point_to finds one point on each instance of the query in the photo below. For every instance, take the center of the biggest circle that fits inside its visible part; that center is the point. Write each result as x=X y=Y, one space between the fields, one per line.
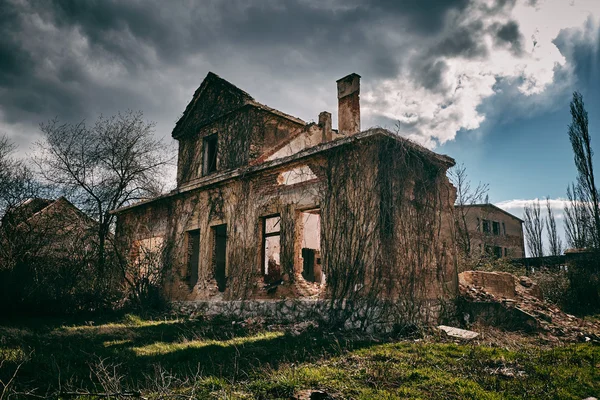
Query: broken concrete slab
x=484 y=299
x=458 y=333
x=500 y=284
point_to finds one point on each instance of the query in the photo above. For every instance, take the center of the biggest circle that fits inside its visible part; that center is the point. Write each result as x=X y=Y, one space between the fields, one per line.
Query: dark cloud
x=464 y=41
x=426 y=16
x=74 y=59
x=430 y=75
x=583 y=54
x=509 y=34
x=14 y=61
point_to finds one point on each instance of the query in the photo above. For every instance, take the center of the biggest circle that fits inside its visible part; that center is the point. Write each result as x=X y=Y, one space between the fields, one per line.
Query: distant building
x=493 y=231
x=45 y=229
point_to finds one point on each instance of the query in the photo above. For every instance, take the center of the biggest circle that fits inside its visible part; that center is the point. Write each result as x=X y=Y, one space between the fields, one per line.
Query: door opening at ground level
x=220 y=255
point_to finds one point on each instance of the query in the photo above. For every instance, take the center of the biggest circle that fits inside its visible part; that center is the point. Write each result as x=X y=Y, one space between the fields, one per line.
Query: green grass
x=218 y=359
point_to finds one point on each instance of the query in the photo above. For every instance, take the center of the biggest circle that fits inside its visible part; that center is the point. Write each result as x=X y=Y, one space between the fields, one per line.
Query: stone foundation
x=374 y=318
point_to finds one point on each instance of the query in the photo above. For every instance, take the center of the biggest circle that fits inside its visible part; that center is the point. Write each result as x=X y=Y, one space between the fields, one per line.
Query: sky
x=487 y=82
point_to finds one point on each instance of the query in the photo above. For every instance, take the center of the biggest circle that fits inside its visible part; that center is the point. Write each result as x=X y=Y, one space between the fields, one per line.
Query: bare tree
x=554 y=241
x=104 y=166
x=17 y=182
x=577 y=219
x=581 y=142
x=465 y=195
x=534 y=229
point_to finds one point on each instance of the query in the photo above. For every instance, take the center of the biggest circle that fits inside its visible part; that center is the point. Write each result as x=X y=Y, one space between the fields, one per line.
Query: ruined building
x=270 y=206
x=493 y=231
x=41 y=229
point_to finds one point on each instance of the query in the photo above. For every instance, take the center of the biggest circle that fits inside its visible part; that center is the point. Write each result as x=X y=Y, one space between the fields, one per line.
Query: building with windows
x=270 y=206
x=492 y=231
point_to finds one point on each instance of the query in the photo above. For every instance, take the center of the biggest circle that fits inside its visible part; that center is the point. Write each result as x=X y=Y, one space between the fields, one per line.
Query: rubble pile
x=523 y=300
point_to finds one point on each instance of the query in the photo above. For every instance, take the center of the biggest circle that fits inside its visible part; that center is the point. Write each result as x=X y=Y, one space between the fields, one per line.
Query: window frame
x=191 y=235
x=266 y=235
x=496 y=228
x=486 y=222
x=208 y=142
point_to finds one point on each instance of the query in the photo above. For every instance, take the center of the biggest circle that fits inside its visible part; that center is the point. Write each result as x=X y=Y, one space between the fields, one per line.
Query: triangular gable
x=214 y=98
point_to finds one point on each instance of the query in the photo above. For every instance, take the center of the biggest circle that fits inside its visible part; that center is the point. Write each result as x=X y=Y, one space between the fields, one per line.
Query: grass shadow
x=134 y=348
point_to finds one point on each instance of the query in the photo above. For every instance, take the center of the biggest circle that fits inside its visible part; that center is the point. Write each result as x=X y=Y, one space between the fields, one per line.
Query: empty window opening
x=497 y=252
x=493 y=251
x=296 y=175
x=220 y=255
x=193 y=238
x=486 y=226
x=271 y=249
x=504 y=229
x=311 y=246
x=210 y=145
x=496 y=228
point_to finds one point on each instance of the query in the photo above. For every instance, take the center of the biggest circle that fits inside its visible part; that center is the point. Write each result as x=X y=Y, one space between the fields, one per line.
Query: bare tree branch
x=554 y=241
x=465 y=195
x=534 y=229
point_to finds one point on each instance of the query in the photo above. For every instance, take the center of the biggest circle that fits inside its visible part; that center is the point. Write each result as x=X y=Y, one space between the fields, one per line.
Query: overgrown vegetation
x=175 y=358
x=65 y=260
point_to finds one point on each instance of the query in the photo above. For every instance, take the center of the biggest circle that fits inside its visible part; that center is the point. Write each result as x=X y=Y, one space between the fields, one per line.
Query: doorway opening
x=271 y=265
x=220 y=255
x=311 y=246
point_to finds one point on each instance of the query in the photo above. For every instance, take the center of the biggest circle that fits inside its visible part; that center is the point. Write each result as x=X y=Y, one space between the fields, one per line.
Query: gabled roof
x=214 y=99
x=27 y=209
x=33 y=210
x=489 y=205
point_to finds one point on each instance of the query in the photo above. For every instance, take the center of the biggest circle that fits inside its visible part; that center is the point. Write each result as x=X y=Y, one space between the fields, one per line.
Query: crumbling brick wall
x=365 y=211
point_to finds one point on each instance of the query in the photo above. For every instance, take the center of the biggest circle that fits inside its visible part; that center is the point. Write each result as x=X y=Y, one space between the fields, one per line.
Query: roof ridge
x=489 y=205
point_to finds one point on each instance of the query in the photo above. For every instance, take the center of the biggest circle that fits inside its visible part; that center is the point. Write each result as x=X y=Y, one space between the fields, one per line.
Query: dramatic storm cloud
x=427 y=65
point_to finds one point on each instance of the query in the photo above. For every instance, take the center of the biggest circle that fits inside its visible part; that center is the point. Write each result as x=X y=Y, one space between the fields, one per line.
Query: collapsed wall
x=501 y=299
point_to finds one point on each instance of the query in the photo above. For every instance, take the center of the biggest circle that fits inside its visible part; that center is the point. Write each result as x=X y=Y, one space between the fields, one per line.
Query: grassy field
x=171 y=358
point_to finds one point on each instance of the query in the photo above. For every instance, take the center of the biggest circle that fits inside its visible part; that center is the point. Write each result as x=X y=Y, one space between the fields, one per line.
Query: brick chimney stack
x=325 y=125
x=348 y=89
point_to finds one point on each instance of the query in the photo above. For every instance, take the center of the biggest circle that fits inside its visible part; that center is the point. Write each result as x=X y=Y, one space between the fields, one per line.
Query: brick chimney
x=348 y=89
x=325 y=125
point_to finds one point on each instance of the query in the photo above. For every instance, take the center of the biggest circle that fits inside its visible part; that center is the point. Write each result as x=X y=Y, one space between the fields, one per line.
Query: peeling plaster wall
x=311 y=136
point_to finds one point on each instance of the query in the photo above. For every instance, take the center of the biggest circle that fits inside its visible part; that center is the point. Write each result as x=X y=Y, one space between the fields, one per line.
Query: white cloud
x=519 y=204
x=435 y=115
x=516 y=207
